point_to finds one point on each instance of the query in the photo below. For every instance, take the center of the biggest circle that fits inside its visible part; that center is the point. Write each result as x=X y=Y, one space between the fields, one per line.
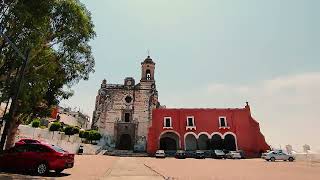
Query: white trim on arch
x=168 y=131
x=234 y=135
x=214 y=133
x=205 y=133
x=185 y=136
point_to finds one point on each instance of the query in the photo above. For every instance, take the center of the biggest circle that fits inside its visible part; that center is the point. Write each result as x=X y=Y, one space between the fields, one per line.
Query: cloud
x=287 y=107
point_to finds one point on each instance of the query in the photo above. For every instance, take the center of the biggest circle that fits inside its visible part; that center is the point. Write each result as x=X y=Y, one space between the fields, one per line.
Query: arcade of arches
x=170 y=141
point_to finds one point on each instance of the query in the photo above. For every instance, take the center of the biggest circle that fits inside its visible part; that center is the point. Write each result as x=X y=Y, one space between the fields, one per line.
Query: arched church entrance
x=191 y=142
x=216 y=142
x=229 y=142
x=169 y=141
x=203 y=142
x=125 y=142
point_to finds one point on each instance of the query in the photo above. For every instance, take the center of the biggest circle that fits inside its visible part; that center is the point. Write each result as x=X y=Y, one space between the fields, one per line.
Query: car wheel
x=273 y=159
x=267 y=159
x=58 y=171
x=291 y=159
x=42 y=169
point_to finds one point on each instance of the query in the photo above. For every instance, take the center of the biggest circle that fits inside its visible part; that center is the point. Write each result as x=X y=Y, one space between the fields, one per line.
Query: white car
x=277 y=155
x=233 y=155
x=160 y=154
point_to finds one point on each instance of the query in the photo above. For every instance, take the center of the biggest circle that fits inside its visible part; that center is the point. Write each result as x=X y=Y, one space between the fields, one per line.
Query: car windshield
x=57 y=148
x=218 y=151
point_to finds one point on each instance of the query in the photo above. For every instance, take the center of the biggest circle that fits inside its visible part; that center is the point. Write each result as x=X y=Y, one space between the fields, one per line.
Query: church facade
x=123 y=112
x=206 y=129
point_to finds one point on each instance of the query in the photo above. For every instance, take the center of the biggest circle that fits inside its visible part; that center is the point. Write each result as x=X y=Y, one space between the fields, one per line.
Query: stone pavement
x=131 y=168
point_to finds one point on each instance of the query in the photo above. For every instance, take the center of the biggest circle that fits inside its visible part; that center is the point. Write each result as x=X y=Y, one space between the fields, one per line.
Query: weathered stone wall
x=69 y=143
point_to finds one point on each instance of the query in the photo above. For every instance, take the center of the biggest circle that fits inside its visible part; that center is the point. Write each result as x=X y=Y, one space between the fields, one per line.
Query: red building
x=205 y=129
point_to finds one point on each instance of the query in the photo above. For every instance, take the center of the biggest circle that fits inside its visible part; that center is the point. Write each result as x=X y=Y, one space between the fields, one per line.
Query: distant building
x=206 y=129
x=289 y=148
x=69 y=117
x=306 y=148
x=123 y=112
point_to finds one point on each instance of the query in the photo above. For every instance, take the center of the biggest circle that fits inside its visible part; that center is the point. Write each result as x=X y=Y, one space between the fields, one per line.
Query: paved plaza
x=109 y=167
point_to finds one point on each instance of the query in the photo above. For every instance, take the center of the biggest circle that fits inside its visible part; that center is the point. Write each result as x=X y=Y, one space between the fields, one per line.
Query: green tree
x=35 y=123
x=55 y=126
x=69 y=130
x=58 y=33
x=94 y=135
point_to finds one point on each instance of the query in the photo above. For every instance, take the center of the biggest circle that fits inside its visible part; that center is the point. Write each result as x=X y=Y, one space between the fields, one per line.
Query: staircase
x=125 y=153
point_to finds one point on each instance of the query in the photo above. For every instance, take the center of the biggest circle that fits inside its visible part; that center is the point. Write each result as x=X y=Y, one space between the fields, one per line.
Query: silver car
x=277 y=155
x=233 y=155
x=160 y=154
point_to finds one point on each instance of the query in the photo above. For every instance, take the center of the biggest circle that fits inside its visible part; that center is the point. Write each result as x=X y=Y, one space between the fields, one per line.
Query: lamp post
x=14 y=103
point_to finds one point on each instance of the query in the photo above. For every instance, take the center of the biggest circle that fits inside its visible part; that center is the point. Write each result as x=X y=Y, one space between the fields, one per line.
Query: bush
x=76 y=130
x=81 y=134
x=43 y=127
x=55 y=126
x=68 y=130
x=94 y=135
x=35 y=123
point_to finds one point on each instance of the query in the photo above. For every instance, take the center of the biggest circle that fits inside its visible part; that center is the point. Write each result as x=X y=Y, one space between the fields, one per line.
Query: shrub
x=35 y=123
x=81 y=134
x=43 y=127
x=55 y=126
x=94 y=135
x=86 y=134
x=76 y=130
x=68 y=130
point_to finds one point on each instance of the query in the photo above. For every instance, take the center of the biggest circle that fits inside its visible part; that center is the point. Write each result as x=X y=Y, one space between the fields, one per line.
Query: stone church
x=123 y=112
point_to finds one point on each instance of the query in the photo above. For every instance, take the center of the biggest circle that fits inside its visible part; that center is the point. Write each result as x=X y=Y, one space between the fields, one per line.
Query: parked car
x=160 y=154
x=180 y=154
x=27 y=141
x=200 y=154
x=277 y=155
x=218 y=154
x=233 y=155
x=39 y=158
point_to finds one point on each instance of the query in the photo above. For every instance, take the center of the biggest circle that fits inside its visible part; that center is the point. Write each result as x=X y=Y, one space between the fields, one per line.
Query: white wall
x=69 y=143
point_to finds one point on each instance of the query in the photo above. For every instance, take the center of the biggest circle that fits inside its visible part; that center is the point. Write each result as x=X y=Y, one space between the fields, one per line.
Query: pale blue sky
x=217 y=53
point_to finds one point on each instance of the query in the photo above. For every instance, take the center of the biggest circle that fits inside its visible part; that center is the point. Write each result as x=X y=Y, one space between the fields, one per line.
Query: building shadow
x=15 y=175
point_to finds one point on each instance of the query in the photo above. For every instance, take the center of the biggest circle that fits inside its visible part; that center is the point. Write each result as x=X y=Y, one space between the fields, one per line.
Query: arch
x=148 y=74
x=216 y=142
x=217 y=134
x=203 y=142
x=190 y=142
x=230 y=141
x=169 y=140
x=209 y=136
x=125 y=142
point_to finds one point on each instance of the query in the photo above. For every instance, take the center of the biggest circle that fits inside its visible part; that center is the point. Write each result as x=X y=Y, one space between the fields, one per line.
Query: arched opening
x=216 y=142
x=190 y=143
x=229 y=142
x=169 y=141
x=148 y=74
x=203 y=142
x=125 y=142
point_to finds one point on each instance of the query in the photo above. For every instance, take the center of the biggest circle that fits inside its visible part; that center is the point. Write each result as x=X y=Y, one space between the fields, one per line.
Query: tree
x=58 y=33
x=94 y=135
x=69 y=130
x=35 y=123
x=56 y=126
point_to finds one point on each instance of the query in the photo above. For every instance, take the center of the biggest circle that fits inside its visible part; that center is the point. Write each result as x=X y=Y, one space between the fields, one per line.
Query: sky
x=219 y=54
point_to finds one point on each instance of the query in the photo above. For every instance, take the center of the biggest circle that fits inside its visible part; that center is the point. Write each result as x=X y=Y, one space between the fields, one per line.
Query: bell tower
x=147 y=70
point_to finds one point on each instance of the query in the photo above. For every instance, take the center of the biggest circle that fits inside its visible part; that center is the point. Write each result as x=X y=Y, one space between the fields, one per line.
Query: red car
x=39 y=158
x=27 y=141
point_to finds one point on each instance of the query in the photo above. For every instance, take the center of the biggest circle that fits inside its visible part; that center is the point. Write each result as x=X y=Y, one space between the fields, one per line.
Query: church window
x=148 y=74
x=128 y=99
x=167 y=123
x=223 y=121
x=190 y=121
x=127 y=117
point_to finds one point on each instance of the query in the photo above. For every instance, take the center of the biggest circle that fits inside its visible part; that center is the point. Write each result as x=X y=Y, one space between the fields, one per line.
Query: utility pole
x=14 y=103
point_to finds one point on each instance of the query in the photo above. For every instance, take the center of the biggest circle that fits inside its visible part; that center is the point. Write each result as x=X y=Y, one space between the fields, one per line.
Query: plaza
x=110 y=167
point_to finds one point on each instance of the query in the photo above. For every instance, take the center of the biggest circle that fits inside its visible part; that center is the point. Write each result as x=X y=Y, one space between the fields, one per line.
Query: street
x=108 y=167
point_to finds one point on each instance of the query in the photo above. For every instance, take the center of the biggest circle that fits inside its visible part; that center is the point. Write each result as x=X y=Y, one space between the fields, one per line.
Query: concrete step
x=125 y=153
